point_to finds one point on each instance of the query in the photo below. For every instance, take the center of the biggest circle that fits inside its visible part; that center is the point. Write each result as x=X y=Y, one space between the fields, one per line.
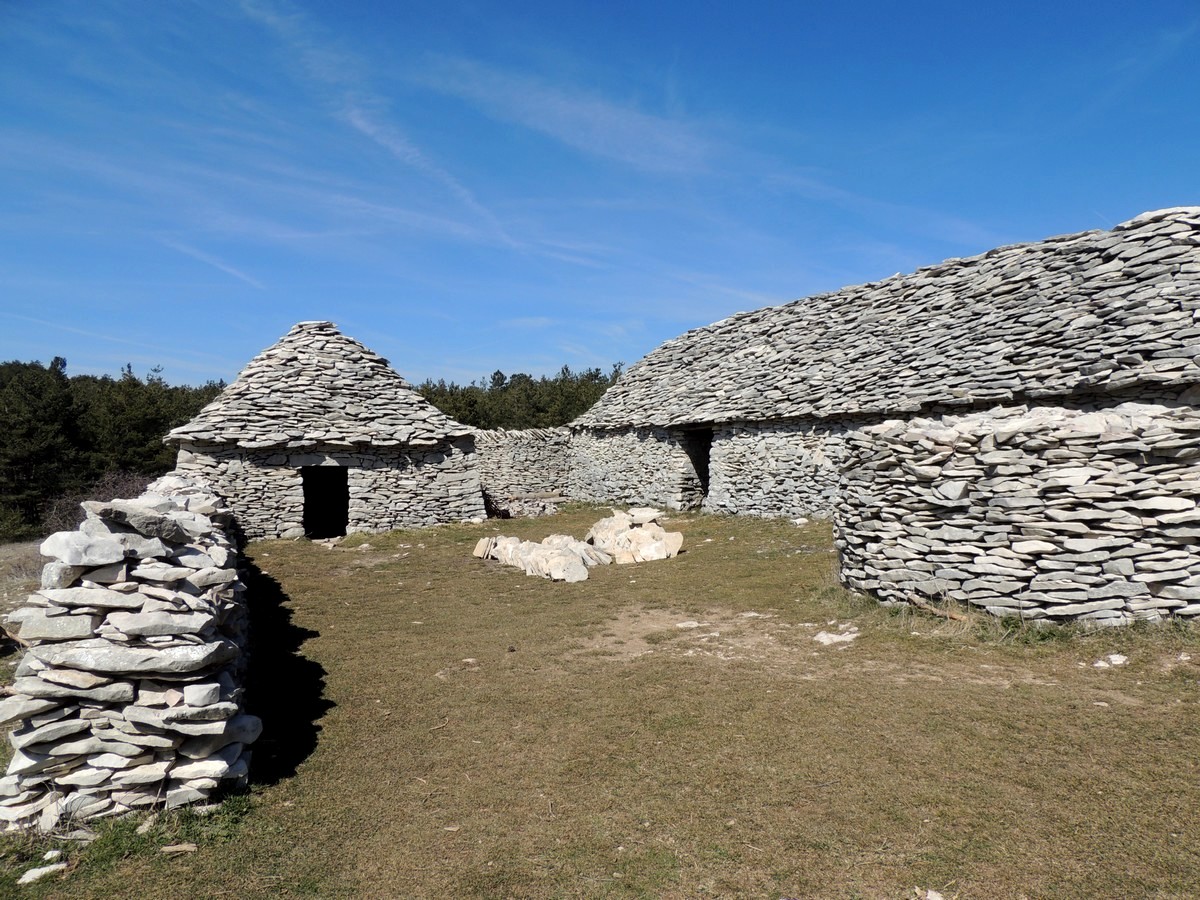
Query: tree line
x=62 y=438
x=65 y=438
x=520 y=401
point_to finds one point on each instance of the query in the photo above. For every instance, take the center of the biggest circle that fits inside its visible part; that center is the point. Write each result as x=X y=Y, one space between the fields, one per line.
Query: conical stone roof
x=318 y=387
x=1093 y=312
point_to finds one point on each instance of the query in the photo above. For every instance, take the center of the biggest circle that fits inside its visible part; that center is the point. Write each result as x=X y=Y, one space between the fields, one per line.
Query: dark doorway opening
x=697 y=444
x=326 y=501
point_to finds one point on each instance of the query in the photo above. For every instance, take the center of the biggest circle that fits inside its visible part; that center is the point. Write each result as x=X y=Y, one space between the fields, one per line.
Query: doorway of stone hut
x=326 y=500
x=697 y=444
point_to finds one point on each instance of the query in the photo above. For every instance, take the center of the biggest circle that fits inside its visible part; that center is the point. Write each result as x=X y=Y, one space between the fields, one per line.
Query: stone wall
x=521 y=463
x=389 y=488
x=775 y=470
x=647 y=466
x=1044 y=513
x=129 y=694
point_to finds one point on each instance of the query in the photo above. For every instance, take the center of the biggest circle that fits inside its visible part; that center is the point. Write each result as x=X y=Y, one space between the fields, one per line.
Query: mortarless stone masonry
x=1042 y=513
x=129 y=695
x=647 y=466
x=320 y=399
x=792 y=395
x=517 y=464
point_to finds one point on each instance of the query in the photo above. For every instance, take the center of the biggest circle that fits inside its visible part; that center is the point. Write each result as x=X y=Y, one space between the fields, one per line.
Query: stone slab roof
x=318 y=387
x=1097 y=311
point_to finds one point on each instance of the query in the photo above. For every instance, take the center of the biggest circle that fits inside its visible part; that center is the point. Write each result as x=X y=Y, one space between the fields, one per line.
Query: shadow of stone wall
x=283 y=687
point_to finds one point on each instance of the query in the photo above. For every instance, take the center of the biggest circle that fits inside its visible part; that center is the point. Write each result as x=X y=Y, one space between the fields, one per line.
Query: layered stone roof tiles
x=1093 y=312
x=318 y=387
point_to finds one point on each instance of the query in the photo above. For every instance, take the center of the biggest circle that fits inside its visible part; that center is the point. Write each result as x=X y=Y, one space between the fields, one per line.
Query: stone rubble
x=624 y=538
x=635 y=536
x=129 y=694
x=522 y=507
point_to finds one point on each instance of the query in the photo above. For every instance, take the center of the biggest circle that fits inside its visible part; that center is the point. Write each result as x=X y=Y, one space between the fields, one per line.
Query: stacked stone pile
x=129 y=694
x=635 y=536
x=1091 y=313
x=558 y=557
x=1043 y=513
x=623 y=538
x=522 y=507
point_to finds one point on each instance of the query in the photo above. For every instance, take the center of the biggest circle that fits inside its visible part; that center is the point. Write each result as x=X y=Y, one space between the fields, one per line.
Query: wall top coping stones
x=318 y=387
x=1095 y=312
x=1114 y=423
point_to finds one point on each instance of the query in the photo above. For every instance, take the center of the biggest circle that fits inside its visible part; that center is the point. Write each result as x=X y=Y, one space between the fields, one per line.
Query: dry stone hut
x=1017 y=430
x=320 y=436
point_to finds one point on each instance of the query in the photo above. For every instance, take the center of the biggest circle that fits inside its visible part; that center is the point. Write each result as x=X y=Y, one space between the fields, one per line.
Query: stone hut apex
x=318 y=435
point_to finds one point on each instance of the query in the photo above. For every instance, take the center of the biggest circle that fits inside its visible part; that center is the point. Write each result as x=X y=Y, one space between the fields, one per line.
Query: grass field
x=438 y=726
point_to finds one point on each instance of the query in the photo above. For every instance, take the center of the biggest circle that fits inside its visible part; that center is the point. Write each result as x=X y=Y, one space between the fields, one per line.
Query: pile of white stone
x=624 y=537
x=129 y=694
x=1042 y=513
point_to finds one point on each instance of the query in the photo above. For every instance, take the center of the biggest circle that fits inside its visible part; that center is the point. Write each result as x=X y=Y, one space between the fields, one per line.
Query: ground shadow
x=283 y=688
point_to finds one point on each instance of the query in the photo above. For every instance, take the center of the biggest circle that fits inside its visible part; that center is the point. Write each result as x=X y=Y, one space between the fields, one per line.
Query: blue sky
x=471 y=186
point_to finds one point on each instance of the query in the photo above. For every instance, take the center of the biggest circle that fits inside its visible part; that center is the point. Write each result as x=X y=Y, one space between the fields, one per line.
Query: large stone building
x=1015 y=430
x=320 y=436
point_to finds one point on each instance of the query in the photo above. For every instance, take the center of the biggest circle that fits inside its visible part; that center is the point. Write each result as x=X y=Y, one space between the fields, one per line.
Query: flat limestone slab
x=101 y=598
x=37 y=626
x=78 y=549
x=99 y=655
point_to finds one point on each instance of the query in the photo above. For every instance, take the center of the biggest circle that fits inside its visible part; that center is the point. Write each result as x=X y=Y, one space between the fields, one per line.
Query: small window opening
x=697 y=444
x=326 y=501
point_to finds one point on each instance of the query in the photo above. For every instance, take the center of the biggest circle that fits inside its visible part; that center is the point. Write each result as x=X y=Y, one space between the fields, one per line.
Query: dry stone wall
x=1044 y=513
x=515 y=464
x=130 y=692
x=647 y=466
x=775 y=470
x=389 y=488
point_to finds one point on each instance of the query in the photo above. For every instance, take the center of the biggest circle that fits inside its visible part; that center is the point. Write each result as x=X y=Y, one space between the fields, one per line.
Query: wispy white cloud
x=1126 y=74
x=904 y=217
x=529 y=322
x=98 y=362
x=337 y=73
x=90 y=333
x=587 y=122
x=210 y=260
x=395 y=142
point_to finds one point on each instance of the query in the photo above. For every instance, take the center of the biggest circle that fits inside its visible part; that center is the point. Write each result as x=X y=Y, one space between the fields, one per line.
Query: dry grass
x=484 y=734
x=20 y=572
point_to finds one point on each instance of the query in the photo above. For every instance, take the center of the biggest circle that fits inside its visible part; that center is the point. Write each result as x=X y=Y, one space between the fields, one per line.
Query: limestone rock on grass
x=561 y=557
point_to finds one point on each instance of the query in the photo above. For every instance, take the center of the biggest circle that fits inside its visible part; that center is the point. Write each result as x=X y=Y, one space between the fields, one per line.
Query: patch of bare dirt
x=719 y=634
